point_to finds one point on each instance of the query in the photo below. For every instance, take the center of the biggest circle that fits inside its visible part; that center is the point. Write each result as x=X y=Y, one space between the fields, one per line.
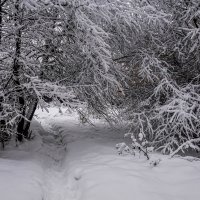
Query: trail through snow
x=61 y=180
x=70 y=161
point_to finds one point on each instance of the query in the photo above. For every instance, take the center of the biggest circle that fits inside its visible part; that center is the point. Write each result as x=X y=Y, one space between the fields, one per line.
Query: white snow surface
x=69 y=161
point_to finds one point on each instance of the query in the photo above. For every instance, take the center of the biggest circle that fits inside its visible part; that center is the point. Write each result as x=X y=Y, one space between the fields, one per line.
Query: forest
x=136 y=61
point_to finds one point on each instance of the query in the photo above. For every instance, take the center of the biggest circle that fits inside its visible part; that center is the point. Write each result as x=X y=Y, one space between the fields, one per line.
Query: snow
x=70 y=161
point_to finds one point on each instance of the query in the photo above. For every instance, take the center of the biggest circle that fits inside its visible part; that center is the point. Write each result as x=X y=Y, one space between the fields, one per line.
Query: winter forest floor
x=70 y=161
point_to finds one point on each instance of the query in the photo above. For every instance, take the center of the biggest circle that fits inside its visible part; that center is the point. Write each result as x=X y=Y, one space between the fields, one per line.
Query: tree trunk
x=2 y=123
x=16 y=73
x=29 y=116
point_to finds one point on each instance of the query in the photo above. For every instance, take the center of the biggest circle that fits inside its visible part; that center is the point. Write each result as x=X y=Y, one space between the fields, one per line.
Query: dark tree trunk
x=29 y=116
x=2 y=121
x=16 y=73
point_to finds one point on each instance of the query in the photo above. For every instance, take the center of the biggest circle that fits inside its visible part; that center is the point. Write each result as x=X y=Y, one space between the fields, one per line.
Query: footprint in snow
x=78 y=174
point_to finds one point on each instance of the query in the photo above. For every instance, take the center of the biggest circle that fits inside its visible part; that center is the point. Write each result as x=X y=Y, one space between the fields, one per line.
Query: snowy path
x=61 y=181
x=88 y=168
x=92 y=170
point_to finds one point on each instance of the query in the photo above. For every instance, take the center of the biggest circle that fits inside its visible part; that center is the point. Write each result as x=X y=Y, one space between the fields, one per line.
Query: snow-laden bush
x=162 y=63
x=169 y=119
x=178 y=119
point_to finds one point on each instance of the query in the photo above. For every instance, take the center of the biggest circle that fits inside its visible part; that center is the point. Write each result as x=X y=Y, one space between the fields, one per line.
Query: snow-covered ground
x=70 y=161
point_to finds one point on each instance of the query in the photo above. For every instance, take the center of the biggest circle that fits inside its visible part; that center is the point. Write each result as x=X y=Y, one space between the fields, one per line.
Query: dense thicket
x=163 y=93
x=139 y=56
x=53 y=51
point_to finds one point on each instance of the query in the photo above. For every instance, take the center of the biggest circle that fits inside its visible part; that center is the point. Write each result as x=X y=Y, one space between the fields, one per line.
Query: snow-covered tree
x=56 y=51
x=163 y=66
x=142 y=56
